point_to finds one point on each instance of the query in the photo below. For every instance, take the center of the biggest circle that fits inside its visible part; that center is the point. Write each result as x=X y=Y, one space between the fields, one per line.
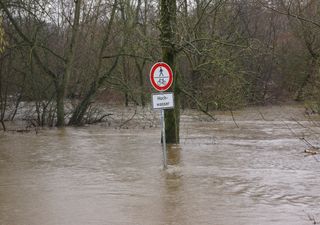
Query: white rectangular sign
x=162 y=100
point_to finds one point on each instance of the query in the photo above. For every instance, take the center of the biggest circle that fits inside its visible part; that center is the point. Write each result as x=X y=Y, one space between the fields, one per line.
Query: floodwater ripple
x=219 y=174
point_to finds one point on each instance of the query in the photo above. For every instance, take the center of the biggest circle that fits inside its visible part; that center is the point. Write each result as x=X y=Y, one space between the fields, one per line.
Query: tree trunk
x=141 y=81
x=83 y=106
x=81 y=109
x=62 y=89
x=167 y=28
x=60 y=108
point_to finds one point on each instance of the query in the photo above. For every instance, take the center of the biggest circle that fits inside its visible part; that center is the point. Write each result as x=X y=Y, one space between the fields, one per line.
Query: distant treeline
x=229 y=54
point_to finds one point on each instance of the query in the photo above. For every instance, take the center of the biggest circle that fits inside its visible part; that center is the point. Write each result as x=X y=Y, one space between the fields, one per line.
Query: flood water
x=219 y=174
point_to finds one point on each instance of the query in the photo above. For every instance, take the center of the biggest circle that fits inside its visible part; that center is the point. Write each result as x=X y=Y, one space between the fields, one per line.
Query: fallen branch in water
x=128 y=120
x=199 y=105
x=19 y=130
x=308 y=128
x=262 y=116
x=307 y=142
x=100 y=119
x=312 y=151
x=312 y=219
x=234 y=121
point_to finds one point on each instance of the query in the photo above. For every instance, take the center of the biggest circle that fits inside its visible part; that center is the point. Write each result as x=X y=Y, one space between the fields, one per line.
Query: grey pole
x=163 y=134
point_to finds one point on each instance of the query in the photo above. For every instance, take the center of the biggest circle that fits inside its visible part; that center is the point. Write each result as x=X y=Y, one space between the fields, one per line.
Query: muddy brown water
x=219 y=174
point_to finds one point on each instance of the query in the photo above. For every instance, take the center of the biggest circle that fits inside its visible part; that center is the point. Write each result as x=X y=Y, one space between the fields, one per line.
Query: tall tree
x=100 y=73
x=62 y=84
x=60 y=78
x=168 y=11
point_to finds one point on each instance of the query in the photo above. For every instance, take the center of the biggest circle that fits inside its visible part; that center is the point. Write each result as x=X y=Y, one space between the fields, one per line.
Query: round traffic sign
x=161 y=76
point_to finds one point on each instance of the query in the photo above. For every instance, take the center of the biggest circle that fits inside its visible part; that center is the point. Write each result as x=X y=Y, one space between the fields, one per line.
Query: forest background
x=63 y=57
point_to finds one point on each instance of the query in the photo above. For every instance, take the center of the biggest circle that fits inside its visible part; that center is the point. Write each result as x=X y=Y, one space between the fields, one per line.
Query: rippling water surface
x=219 y=174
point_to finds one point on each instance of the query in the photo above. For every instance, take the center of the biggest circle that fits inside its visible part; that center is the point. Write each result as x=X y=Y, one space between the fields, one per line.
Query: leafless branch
x=199 y=105
x=128 y=120
x=288 y=13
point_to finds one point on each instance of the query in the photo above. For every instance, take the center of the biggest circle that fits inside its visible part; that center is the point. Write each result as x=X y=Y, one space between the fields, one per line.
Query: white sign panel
x=162 y=100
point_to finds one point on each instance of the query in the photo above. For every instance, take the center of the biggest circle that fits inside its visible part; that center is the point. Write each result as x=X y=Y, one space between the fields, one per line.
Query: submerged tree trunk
x=62 y=89
x=81 y=109
x=167 y=25
x=60 y=109
x=3 y=101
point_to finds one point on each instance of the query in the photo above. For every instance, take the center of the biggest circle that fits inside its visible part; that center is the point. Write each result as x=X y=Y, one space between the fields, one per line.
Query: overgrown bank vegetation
x=62 y=56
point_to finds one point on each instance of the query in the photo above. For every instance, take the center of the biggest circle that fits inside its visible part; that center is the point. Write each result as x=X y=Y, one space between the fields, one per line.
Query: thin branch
x=191 y=43
x=128 y=55
x=26 y=39
x=288 y=13
x=262 y=116
x=200 y=106
x=52 y=52
x=309 y=128
x=201 y=16
x=234 y=121
x=128 y=120
x=313 y=149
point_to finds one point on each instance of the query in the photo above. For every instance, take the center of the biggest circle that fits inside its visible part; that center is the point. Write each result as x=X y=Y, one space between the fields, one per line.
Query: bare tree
x=59 y=77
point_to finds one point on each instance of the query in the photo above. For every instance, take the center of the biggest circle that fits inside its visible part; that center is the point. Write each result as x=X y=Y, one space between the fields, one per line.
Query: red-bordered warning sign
x=161 y=76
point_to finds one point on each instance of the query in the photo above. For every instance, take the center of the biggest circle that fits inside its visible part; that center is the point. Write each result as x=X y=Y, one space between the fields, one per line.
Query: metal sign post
x=161 y=78
x=162 y=101
x=163 y=135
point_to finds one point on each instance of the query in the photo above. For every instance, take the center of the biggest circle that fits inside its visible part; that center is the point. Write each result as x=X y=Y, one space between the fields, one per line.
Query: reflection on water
x=219 y=174
x=172 y=212
x=173 y=154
